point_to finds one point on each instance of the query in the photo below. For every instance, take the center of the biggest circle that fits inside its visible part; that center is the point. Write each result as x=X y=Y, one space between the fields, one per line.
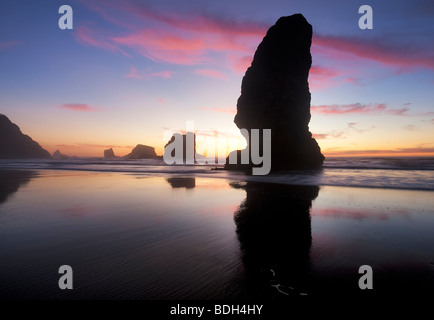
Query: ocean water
x=376 y=172
x=143 y=230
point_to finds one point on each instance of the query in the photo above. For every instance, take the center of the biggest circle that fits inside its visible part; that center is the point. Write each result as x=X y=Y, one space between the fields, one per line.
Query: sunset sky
x=130 y=70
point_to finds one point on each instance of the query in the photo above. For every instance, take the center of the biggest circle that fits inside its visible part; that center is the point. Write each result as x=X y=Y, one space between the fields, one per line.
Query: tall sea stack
x=275 y=95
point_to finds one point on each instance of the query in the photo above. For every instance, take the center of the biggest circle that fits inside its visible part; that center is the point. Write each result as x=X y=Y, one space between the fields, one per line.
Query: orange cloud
x=78 y=107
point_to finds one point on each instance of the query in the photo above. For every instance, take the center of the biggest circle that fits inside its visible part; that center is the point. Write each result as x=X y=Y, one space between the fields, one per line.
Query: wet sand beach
x=135 y=236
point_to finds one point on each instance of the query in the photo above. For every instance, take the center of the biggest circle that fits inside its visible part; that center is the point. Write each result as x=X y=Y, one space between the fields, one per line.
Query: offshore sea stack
x=142 y=152
x=16 y=145
x=109 y=154
x=275 y=95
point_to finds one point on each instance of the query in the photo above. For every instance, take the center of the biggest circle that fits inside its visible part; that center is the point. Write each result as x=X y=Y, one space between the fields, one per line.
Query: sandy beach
x=141 y=236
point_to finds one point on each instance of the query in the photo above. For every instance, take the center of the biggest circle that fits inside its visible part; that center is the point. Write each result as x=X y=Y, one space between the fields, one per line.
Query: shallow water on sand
x=133 y=236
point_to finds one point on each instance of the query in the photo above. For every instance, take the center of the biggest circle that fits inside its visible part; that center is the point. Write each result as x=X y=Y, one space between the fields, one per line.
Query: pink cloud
x=320 y=77
x=191 y=39
x=352 y=80
x=240 y=64
x=78 y=107
x=204 y=23
x=210 y=73
x=161 y=46
x=90 y=36
x=379 y=50
x=358 y=108
x=163 y=74
x=171 y=37
x=349 y=108
x=398 y=112
x=319 y=136
x=9 y=44
x=134 y=74
x=176 y=47
x=321 y=71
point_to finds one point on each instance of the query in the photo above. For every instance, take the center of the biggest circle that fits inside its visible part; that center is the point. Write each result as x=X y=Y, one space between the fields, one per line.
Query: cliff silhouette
x=16 y=145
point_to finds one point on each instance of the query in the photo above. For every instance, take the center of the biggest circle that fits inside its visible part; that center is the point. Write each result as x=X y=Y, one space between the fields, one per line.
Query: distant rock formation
x=142 y=152
x=57 y=155
x=16 y=145
x=109 y=154
x=275 y=95
x=186 y=150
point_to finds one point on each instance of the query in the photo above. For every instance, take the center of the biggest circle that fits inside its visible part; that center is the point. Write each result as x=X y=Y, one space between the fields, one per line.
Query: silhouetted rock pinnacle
x=142 y=152
x=16 y=145
x=275 y=95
